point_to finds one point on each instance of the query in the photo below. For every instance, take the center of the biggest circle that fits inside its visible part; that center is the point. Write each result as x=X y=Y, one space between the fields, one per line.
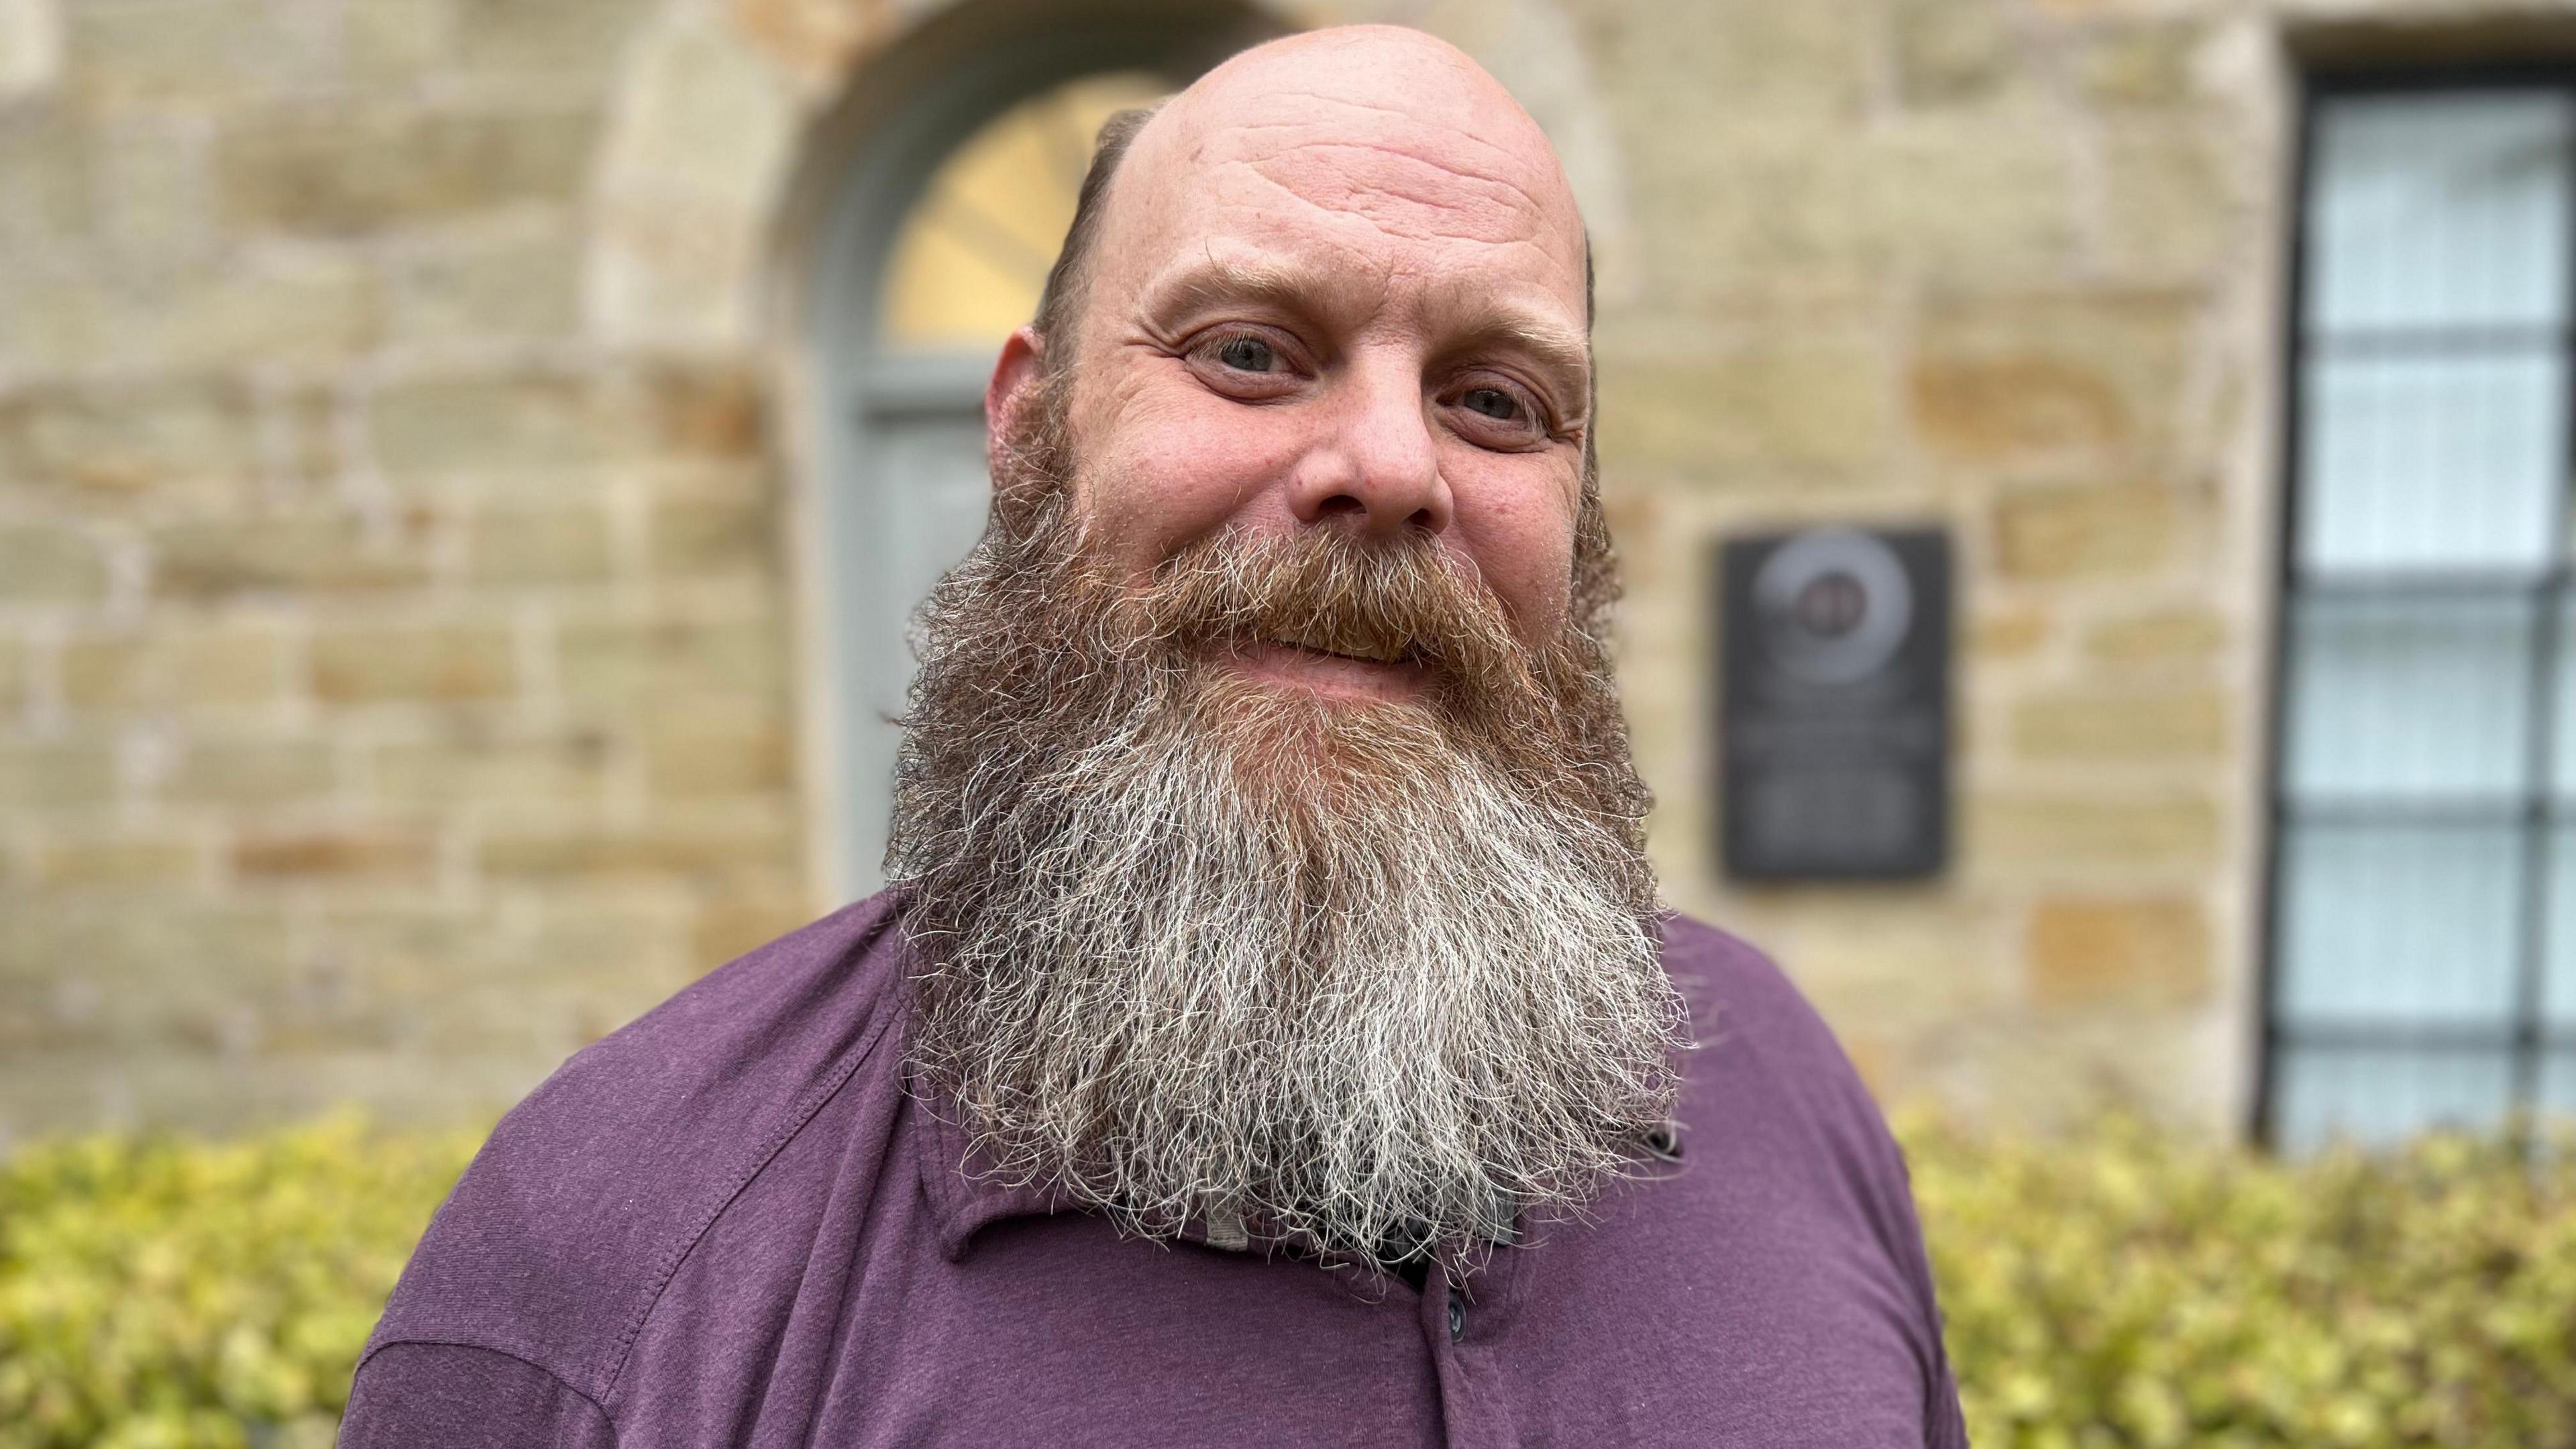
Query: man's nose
x=1377 y=462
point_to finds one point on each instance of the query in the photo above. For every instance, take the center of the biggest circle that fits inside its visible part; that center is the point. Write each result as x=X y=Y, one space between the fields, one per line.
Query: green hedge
x=163 y=1294
x=2129 y=1289
x=2121 y=1289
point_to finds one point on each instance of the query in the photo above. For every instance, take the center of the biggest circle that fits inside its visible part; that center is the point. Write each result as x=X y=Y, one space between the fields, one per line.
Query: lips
x=1347 y=644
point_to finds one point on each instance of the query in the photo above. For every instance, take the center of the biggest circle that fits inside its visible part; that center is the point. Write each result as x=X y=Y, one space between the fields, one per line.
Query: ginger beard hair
x=1372 y=976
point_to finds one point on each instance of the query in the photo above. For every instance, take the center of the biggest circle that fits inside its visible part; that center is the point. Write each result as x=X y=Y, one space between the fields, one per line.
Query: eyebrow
x=1293 y=286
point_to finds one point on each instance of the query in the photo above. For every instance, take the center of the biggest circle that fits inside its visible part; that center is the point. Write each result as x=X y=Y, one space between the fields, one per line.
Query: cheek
x=1515 y=518
x=1169 y=470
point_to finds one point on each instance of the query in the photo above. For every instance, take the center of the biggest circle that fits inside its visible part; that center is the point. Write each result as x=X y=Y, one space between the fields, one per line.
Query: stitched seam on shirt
x=566 y=1384
x=669 y=1268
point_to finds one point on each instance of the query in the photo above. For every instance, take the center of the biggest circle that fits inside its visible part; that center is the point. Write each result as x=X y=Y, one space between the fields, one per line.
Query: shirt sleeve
x=454 y=1396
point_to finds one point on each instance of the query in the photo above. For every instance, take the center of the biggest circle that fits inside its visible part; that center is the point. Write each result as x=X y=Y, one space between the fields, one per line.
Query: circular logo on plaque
x=1835 y=605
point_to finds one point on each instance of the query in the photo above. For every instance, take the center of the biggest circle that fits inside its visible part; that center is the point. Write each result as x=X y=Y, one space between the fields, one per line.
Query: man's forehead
x=1384 y=142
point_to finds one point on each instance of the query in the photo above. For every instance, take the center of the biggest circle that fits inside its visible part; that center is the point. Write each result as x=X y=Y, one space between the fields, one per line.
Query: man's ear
x=1010 y=389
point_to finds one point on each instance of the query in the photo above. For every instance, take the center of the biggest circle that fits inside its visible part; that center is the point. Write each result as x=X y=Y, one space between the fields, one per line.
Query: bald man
x=1273 y=1036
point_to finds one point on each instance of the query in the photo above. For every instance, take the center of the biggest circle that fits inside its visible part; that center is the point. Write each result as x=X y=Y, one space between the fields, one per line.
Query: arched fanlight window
x=974 y=252
x=937 y=239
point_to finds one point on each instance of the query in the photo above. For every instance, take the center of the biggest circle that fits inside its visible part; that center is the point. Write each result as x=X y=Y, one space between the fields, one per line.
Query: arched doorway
x=935 y=238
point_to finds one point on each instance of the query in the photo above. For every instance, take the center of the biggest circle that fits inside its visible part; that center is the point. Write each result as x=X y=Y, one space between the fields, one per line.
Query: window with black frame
x=2423 y=903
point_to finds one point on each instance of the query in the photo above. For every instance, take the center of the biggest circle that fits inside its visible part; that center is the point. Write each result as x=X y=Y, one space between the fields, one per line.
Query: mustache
x=1402 y=600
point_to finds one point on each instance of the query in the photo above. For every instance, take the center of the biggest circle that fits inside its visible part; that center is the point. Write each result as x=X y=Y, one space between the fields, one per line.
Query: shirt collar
x=957 y=1180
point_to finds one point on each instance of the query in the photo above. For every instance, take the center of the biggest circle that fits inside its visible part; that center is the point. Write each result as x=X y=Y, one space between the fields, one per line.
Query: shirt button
x=1457 y=1316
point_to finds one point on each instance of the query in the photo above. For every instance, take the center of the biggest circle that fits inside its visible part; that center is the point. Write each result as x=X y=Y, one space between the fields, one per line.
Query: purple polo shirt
x=731 y=1224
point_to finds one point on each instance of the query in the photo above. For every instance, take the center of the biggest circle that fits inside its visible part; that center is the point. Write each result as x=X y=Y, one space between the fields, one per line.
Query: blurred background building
x=465 y=465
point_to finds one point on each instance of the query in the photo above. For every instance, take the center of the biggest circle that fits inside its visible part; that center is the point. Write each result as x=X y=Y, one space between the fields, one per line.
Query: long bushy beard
x=1364 y=975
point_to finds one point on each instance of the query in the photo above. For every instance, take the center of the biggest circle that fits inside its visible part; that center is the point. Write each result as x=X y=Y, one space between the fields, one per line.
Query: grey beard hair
x=1370 y=977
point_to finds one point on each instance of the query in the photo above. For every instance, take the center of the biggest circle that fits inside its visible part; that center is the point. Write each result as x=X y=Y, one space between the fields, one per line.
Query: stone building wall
x=403 y=662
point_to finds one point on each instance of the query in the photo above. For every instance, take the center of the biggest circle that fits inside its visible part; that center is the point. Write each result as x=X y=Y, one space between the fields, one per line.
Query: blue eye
x=1246 y=354
x=1493 y=402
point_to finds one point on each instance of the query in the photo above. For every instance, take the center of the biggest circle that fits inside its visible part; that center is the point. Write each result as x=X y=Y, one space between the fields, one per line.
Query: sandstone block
x=1803 y=403
x=540 y=546
x=119 y=859
x=2023 y=221
x=521 y=286
x=184 y=441
x=378 y=853
x=2145 y=63
x=320 y=551
x=45 y=180
x=507 y=422
x=2172 y=210
x=17 y=671
x=252 y=772
x=2013 y=376
x=577 y=41
x=1992 y=407
x=41 y=563
x=621 y=664
x=1798 y=61
x=2123 y=724
x=267 y=310
x=2093 y=952
x=2008 y=633
x=508 y=774
x=2021 y=832
x=727 y=752
x=1951 y=51
x=432 y=662
x=2055 y=533
x=694 y=536
x=2179 y=635
x=169 y=663
x=709 y=411
x=56 y=774
x=199 y=53
x=150 y=192
x=393 y=44
x=327 y=172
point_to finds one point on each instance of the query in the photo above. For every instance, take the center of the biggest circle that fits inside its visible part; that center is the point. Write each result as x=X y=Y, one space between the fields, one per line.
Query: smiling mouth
x=1353 y=671
x=1355 y=651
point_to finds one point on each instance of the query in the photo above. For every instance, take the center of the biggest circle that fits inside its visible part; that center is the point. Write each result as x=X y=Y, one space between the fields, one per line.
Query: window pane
x=2443 y=462
x=2398 y=923
x=2375 y=1097
x=2444 y=210
x=2558 y=980
x=2408 y=696
x=2558 y=1085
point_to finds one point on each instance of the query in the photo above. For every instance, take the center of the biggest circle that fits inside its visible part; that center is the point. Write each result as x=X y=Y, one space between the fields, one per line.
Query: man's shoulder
x=1753 y=1027
x=591 y=1191
x=1730 y=983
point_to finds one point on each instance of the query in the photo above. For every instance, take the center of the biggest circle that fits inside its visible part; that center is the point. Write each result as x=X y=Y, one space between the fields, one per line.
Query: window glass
x=2432 y=462
x=2442 y=208
x=2392 y=925
x=2408 y=696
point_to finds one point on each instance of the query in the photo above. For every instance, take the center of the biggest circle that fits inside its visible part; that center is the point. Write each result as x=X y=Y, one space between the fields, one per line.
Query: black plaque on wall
x=1834 y=731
